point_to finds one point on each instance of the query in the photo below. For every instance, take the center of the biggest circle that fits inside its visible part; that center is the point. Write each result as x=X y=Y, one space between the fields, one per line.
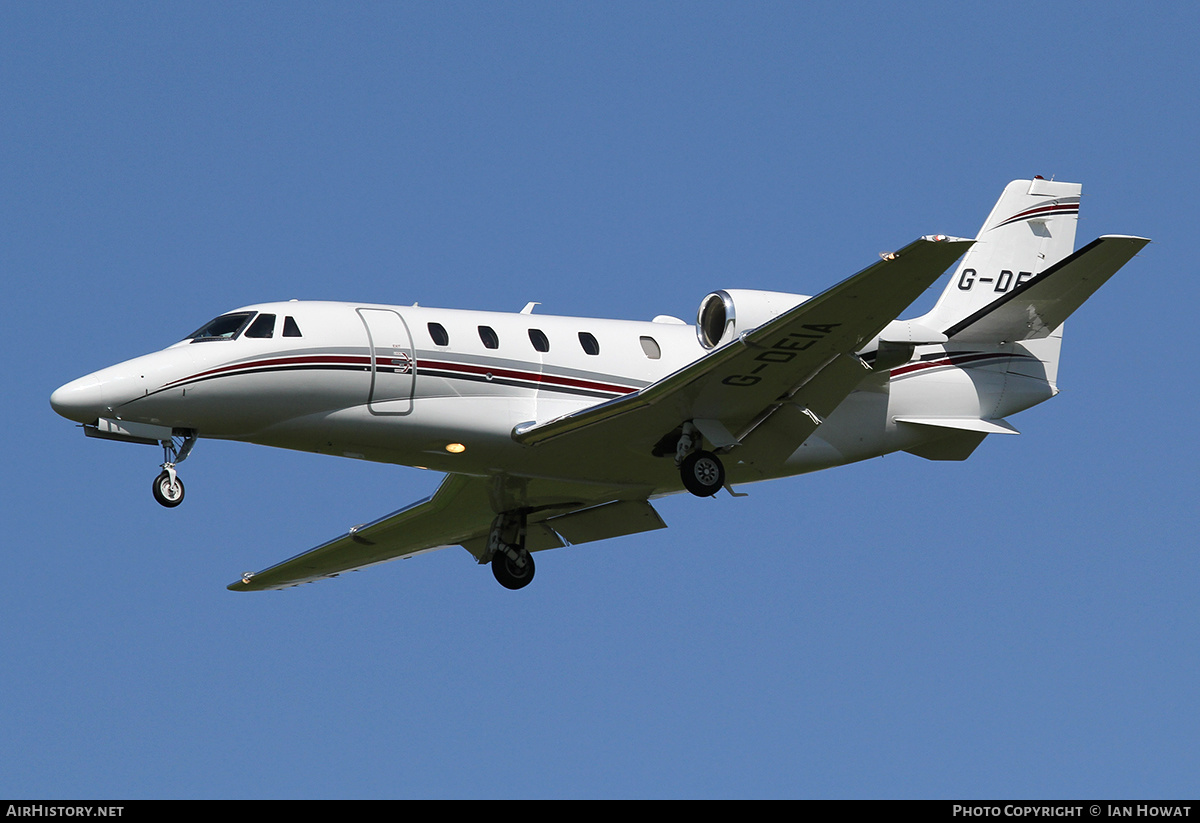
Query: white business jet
x=562 y=430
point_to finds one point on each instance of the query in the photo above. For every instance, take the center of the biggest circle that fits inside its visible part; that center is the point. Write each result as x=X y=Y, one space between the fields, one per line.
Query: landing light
x=456 y=448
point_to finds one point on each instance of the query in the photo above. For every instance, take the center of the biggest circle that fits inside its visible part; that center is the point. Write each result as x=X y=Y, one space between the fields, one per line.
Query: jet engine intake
x=725 y=314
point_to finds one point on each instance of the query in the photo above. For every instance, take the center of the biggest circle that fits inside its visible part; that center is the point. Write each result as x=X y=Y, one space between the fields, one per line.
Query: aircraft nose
x=80 y=400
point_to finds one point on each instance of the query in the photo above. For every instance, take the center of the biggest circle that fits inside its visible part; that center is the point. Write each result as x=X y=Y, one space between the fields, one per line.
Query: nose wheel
x=168 y=488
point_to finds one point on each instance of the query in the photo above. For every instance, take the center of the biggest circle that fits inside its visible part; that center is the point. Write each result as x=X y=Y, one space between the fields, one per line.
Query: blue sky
x=1023 y=624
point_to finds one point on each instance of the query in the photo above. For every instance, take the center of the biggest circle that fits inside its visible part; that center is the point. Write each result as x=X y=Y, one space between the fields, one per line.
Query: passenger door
x=393 y=364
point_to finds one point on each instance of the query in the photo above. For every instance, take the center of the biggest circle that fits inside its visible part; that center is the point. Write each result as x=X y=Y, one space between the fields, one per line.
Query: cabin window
x=290 y=329
x=650 y=347
x=539 y=340
x=437 y=332
x=488 y=335
x=589 y=343
x=225 y=327
x=263 y=326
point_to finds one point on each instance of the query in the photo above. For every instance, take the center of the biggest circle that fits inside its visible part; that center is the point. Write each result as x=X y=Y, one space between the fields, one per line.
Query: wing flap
x=614 y=519
x=770 y=440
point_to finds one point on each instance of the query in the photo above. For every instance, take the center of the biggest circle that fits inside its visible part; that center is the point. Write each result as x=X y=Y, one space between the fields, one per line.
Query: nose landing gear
x=168 y=488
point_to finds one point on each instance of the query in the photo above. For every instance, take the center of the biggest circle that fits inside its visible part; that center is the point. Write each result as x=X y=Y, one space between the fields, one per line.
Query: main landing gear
x=168 y=488
x=512 y=563
x=702 y=472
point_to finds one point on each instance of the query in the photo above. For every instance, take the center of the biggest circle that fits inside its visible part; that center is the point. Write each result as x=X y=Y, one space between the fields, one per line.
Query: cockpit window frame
x=262 y=327
x=247 y=317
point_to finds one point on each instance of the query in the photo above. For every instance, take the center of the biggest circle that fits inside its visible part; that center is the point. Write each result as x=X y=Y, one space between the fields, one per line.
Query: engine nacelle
x=725 y=314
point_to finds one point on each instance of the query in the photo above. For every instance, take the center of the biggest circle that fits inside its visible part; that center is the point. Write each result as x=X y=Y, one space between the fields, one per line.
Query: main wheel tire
x=508 y=574
x=167 y=493
x=702 y=473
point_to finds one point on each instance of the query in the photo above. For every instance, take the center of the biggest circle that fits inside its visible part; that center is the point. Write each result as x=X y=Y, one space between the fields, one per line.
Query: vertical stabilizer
x=1031 y=227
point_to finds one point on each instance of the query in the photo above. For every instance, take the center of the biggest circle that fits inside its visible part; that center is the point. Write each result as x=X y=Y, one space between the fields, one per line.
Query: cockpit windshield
x=225 y=327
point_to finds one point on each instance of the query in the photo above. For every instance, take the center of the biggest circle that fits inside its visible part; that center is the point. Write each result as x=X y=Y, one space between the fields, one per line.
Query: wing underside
x=461 y=513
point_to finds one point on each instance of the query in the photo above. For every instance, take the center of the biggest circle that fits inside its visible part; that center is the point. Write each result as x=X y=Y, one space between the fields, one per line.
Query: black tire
x=509 y=575
x=703 y=474
x=166 y=494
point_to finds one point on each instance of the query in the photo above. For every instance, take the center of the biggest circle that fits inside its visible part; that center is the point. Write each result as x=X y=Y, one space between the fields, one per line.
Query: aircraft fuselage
x=443 y=389
x=558 y=431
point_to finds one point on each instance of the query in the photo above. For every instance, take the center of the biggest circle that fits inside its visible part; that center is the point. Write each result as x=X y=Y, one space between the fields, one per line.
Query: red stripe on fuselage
x=532 y=377
x=950 y=360
x=443 y=366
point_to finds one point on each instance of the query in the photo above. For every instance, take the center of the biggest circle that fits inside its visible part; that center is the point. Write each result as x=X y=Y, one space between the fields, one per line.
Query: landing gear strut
x=702 y=472
x=168 y=488
x=512 y=564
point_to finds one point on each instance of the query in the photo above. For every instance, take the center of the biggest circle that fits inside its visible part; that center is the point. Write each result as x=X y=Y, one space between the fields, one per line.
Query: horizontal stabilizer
x=954 y=444
x=1038 y=306
x=973 y=424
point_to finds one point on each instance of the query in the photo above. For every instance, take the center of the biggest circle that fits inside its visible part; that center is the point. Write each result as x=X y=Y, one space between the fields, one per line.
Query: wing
x=803 y=359
x=461 y=513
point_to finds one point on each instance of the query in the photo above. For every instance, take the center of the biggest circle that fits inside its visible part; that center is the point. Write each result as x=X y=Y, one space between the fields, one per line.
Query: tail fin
x=1003 y=310
x=1031 y=227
